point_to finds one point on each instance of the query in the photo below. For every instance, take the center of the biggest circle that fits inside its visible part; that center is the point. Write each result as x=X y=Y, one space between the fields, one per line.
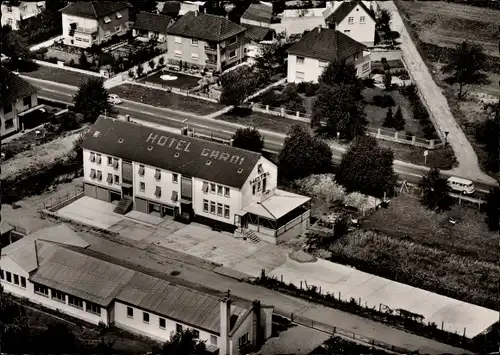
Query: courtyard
x=172 y=79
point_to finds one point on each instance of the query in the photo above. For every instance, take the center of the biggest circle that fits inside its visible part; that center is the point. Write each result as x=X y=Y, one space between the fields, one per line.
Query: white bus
x=461 y=185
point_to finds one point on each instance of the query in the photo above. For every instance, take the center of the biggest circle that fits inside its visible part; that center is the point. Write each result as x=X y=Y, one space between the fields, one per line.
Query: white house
x=21 y=98
x=168 y=174
x=14 y=12
x=148 y=26
x=308 y=57
x=53 y=268
x=353 y=18
x=86 y=23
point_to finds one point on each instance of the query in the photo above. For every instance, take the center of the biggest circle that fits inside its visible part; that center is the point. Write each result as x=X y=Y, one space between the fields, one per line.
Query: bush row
x=289 y=98
x=419 y=110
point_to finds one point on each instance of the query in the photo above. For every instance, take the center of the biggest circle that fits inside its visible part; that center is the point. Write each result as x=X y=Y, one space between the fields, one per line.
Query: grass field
x=442 y=158
x=261 y=120
x=183 y=81
x=62 y=76
x=424 y=250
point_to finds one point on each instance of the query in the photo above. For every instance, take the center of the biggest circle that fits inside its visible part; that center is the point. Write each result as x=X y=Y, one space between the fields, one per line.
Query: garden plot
x=58 y=75
x=173 y=79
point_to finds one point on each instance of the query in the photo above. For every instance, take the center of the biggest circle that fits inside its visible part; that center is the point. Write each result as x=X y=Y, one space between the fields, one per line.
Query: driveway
x=437 y=103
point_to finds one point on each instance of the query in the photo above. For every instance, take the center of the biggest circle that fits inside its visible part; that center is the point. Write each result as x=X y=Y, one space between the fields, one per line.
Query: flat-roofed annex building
x=168 y=174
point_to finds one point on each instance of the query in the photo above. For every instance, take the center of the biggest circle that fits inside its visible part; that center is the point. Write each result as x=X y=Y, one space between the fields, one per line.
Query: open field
x=162 y=98
x=61 y=76
x=442 y=158
x=183 y=81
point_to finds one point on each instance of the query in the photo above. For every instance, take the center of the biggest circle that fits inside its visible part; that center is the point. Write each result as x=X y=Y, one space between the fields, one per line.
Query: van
x=461 y=185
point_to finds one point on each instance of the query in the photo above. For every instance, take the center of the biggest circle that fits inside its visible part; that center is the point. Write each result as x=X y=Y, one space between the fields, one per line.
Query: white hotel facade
x=166 y=174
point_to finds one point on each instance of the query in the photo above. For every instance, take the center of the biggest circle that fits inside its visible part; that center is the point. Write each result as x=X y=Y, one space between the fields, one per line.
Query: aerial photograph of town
x=233 y=177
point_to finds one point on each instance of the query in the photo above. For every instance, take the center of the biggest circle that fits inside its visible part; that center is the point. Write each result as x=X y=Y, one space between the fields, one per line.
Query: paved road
x=437 y=103
x=223 y=129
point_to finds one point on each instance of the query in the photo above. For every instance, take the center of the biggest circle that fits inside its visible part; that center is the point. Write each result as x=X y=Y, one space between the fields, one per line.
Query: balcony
x=86 y=30
x=211 y=49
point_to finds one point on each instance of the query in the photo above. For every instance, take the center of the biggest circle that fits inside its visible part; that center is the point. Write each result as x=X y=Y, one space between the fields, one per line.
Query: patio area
x=172 y=79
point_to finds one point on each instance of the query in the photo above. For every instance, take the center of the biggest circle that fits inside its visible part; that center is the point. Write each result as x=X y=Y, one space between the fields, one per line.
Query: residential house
x=167 y=174
x=19 y=99
x=260 y=14
x=179 y=8
x=257 y=38
x=87 y=23
x=355 y=19
x=311 y=55
x=56 y=270
x=148 y=26
x=14 y=12
x=206 y=41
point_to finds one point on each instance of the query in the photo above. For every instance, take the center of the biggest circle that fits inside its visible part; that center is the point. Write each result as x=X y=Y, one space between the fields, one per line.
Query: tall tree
x=337 y=109
x=248 y=139
x=271 y=57
x=493 y=209
x=367 y=167
x=14 y=45
x=466 y=67
x=398 y=120
x=341 y=73
x=389 y=119
x=303 y=155
x=91 y=99
x=184 y=343
x=436 y=192
x=384 y=18
x=388 y=80
x=488 y=134
x=237 y=85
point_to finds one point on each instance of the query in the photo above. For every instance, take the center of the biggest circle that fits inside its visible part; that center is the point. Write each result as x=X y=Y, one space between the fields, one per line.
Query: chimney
x=195 y=13
x=256 y=325
x=319 y=29
x=225 y=324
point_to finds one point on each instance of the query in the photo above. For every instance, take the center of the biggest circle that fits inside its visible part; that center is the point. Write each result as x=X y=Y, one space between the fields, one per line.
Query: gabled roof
x=16 y=87
x=345 y=9
x=326 y=44
x=147 y=21
x=257 y=33
x=185 y=155
x=258 y=12
x=171 y=7
x=94 y=9
x=205 y=27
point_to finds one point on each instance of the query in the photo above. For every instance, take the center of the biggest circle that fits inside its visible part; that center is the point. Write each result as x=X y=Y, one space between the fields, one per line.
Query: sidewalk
x=437 y=103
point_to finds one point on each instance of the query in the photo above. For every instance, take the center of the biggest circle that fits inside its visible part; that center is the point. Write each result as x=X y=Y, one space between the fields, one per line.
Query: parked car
x=114 y=99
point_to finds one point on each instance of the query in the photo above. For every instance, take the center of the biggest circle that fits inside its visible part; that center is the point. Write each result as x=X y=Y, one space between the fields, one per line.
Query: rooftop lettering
x=177 y=144
x=218 y=155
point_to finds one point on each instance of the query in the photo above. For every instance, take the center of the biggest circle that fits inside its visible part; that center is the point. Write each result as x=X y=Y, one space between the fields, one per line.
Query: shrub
x=377 y=71
x=301 y=87
x=295 y=105
x=410 y=91
x=152 y=64
x=131 y=74
x=429 y=131
x=383 y=101
x=369 y=83
x=321 y=186
x=386 y=66
x=161 y=61
x=271 y=98
x=311 y=89
x=139 y=71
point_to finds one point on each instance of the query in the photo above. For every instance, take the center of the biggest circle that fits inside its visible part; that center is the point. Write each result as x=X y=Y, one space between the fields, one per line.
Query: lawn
x=58 y=75
x=441 y=158
x=162 y=98
x=183 y=81
x=424 y=250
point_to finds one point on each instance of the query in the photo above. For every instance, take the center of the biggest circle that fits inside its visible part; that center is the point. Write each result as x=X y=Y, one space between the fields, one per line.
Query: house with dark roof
x=259 y=14
x=55 y=269
x=178 y=176
x=256 y=38
x=87 y=23
x=18 y=99
x=206 y=41
x=354 y=18
x=148 y=26
x=308 y=57
x=14 y=11
x=176 y=8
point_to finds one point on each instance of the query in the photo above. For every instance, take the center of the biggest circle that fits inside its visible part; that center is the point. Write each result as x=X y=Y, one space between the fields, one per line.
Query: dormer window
x=119 y=15
x=107 y=19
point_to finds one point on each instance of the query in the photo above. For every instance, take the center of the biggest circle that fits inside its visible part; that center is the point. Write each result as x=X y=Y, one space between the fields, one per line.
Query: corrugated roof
x=258 y=12
x=94 y=9
x=345 y=9
x=228 y=165
x=16 y=87
x=147 y=21
x=205 y=27
x=326 y=44
x=277 y=205
x=257 y=33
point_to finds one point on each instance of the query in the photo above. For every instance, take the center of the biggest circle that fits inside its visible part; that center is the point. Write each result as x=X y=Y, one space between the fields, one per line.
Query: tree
x=389 y=119
x=435 y=191
x=184 y=343
x=337 y=109
x=270 y=57
x=493 y=209
x=388 y=80
x=248 y=139
x=303 y=155
x=14 y=45
x=341 y=73
x=366 y=167
x=83 y=61
x=91 y=99
x=398 y=120
x=237 y=85
x=466 y=67
x=384 y=18
x=140 y=70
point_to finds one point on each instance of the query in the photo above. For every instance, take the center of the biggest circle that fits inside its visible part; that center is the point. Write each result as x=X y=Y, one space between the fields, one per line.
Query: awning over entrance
x=276 y=205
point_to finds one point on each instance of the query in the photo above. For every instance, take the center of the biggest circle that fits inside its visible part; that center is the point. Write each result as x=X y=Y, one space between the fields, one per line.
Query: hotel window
x=213 y=340
x=232 y=54
x=92 y=157
x=264 y=183
x=130 y=312
x=205 y=187
x=212 y=188
x=365 y=67
x=23 y=282
x=142 y=186
x=300 y=60
x=99 y=175
x=117 y=179
x=157 y=174
x=226 y=191
x=362 y=19
x=16 y=279
x=58 y=296
x=115 y=163
x=226 y=211
x=118 y=15
x=162 y=323
x=1 y=274
x=110 y=161
x=178 y=328
x=145 y=317
x=175 y=196
x=196 y=333
x=79 y=39
x=141 y=170
x=194 y=42
x=75 y=302
x=323 y=64
x=350 y=20
x=233 y=40
x=158 y=191
x=254 y=187
x=258 y=186
x=194 y=56
x=219 y=190
x=27 y=101
x=93 y=308
x=299 y=75
x=219 y=209
x=243 y=340
x=212 y=207
x=177 y=53
x=92 y=173
x=205 y=206
x=177 y=39
x=109 y=178
x=98 y=159
x=175 y=178
x=41 y=290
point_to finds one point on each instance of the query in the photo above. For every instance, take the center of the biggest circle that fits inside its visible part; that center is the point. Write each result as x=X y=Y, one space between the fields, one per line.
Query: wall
x=377 y=55
x=11 y=18
x=111 y=27
x=299 y=226
x=310 y=68
x=86 y=23
x=238 y=47
x=245 y=327
x=187 y=49
x=363 y=33
x=5 y=117
x=104 y=167
x=152 y=329
x=271 y=181
x=7 y=264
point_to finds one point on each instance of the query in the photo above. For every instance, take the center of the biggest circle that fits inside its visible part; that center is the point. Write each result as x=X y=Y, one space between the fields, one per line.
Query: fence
x=334 y=330
x=56 y=203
